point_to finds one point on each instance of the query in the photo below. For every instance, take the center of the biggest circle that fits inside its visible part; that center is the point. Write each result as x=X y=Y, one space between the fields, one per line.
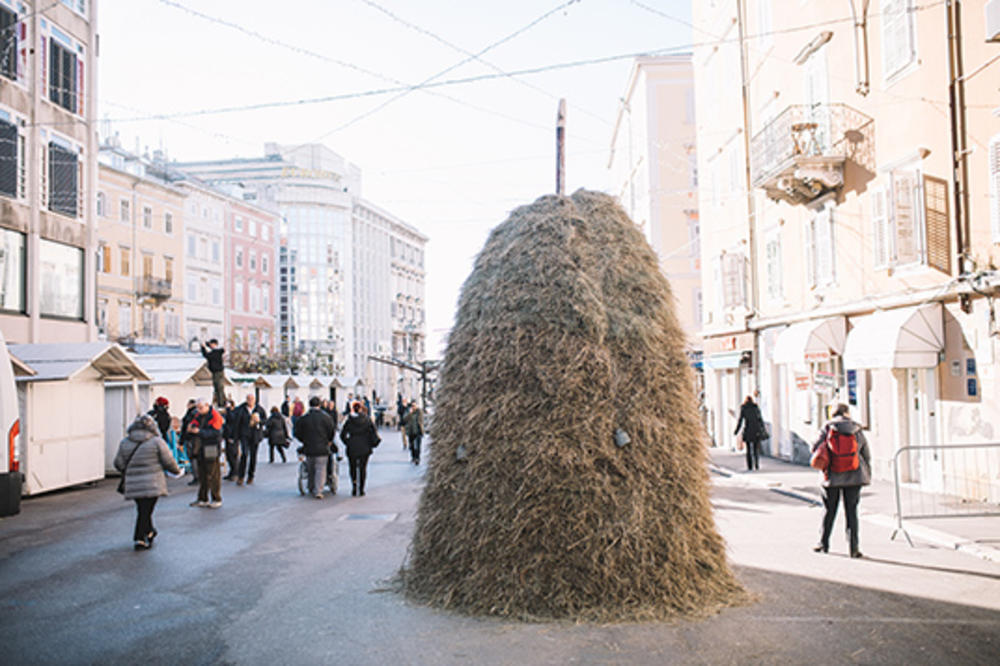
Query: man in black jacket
x=213 y=354
x=248 y=431
x=315 y=429
x=186 y=440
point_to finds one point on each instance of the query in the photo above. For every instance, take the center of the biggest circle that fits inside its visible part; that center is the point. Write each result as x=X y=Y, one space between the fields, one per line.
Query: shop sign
x=852 y=387
x=728 y=343
x=823 y=381
x=803 y=382
x=818 y=356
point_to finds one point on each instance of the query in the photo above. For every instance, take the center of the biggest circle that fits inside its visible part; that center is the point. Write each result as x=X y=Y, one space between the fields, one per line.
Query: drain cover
x=370 y=516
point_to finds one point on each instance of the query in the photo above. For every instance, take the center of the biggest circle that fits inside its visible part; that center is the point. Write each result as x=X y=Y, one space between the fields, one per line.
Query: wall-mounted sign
x=823 y=381
x=956 y=368
x=803 y=382
x=818 y=356
x=852 y=387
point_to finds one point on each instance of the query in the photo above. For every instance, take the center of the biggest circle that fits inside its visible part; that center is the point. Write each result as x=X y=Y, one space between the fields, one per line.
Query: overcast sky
x=452 y=161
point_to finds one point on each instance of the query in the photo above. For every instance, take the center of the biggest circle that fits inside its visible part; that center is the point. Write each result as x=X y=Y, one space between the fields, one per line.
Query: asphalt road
x=272 y=577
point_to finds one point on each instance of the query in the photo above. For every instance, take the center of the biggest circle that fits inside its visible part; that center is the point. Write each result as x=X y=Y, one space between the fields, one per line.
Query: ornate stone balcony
x=801 y=155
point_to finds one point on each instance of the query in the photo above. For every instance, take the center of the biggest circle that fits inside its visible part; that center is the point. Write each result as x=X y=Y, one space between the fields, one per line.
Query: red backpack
x=843 y=451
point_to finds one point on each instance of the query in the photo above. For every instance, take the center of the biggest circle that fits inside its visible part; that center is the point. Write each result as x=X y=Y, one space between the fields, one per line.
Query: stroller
x=332 y=473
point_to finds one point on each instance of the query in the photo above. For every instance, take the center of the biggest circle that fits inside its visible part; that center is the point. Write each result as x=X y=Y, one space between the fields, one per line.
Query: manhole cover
x=370 y=516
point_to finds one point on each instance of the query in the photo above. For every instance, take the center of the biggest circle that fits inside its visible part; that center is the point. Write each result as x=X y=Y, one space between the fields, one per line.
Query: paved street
x=273 y=577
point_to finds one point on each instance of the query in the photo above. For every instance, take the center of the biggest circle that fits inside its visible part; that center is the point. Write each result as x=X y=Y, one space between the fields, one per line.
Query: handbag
x=121 y=481
x=210 y=451
x=821 y=457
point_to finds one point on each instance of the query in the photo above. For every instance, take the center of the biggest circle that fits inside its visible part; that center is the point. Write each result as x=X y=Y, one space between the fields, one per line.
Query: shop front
x=728 y=380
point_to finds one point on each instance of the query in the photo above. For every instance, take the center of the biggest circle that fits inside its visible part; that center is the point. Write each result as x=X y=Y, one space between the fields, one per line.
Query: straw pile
x=565 y=333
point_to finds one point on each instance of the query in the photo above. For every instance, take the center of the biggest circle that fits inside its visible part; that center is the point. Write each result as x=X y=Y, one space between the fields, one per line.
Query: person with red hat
x=161 y=414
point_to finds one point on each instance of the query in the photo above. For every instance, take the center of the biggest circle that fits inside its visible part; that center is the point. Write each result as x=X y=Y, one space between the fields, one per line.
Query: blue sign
x=852 y=387
x=970 y=367
x=973 y=389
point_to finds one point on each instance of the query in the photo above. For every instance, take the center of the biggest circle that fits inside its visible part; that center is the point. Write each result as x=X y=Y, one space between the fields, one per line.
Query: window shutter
x=994 y=164
x=79 y=86
x=936 y=224
x=880 y=228
x=823 y=240
x=897 y=36
x=811 y=252
x=62 y=180
x=904 y=190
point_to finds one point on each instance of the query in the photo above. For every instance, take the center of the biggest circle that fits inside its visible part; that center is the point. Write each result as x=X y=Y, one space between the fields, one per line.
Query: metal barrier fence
x=946 y=481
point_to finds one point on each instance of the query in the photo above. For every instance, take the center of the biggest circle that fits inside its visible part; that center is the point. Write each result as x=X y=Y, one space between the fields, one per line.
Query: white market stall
x=62 y=410
x=279 y=387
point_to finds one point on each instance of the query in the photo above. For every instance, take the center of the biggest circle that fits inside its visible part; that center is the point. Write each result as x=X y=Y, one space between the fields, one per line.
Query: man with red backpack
x=847 y=468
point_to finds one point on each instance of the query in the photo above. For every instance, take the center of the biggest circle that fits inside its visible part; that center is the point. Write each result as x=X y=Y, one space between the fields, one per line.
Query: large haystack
x=565 y=333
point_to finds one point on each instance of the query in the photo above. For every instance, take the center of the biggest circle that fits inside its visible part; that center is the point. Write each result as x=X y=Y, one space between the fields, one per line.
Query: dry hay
x=566 y=332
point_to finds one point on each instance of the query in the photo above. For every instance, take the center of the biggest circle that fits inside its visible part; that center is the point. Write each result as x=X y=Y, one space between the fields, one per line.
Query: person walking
x=298 y=410
x=229 y=439
x=276 y=431
x=205 y=431
x=161 y=414
x=849 y=469
x=213 y=354
x=401 y=409
x=414 y=423
x=285 y=408
x=754 y=431
x=187 y=441
x=360 y=437
x=315 y=429
x=142 y=458
x=248 y=431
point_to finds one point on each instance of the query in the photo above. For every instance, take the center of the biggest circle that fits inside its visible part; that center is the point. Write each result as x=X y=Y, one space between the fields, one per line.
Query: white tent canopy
x=903 y=338
x=810 y=341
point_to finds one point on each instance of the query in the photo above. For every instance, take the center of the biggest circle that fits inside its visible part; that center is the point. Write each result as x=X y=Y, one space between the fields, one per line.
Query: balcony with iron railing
x=801 y=155
x=157 y=289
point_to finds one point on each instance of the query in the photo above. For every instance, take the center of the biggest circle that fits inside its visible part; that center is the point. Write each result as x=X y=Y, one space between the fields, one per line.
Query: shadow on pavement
x=925 y=567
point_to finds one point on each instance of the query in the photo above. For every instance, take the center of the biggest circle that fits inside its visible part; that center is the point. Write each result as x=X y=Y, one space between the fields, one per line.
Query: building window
x=13 y=172
x=265 y=231
x=899 y=43
x=168 y=269
x=61 y=274
x=252 y=227
x=238 y=296
x=910 y=221
x=79 y=6
x=63 y=74
x=772 y=252
x=124 y=255
x=125 y=319
x=819 y=249
x=147 y=217
x=733 y=283
x=192 y=288
x=216 y=293
x=238 y=223
x=253 y=261
x=102 y=204
x=104 y=258
x=150 y=323
x=124 y=211
x=265 y=266
x=147 y=265
x=8 y=50
x=173 y=326
x=239 y=257
x=63 y=180
x=266 y=299
x=192 y=246
x=216 y=252
x=168 y=223
x=12 y=275
x=102 y=317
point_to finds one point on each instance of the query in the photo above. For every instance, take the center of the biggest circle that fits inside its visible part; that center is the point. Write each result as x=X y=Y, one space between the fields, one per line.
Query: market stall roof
x=286 y=381
x=176 y=368
x=811 y=341
x=66 y=360
x=329 y=380
x=21 y=369
x=910 y=337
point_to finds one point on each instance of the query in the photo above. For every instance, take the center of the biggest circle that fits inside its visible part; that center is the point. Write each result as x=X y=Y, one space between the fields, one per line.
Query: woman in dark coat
x=276 y=431
x=360 y=437
x=753 y=431
x=142 y=458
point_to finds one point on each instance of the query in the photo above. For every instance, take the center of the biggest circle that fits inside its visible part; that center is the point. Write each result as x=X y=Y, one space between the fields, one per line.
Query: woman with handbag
x=754 y=430
x=142 y=458
x=841 y=453
x=360 y=438
x=276 y=431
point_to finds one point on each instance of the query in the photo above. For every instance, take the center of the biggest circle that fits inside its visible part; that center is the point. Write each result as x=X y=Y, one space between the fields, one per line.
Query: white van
x=10 y=423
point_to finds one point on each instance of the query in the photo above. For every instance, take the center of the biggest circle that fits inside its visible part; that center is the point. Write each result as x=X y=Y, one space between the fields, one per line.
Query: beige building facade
x=870 y=232
x=654 y=173
x=48 y=170
x=140 y=254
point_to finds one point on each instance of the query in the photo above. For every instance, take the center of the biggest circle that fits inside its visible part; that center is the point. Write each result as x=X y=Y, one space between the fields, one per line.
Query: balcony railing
x=159 y=289
x=800 y=155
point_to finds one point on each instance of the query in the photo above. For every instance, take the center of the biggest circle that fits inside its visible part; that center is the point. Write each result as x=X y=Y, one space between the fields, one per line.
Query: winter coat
x=214 y=358
x=229 y=424
x=242 y=430
x=150 y=456
x=414 y=422
x=210 y=426
x=862 y=476
x=754 y=429
x=277 y=430
x=359 y=435
x=161 y=415
x=315 y=430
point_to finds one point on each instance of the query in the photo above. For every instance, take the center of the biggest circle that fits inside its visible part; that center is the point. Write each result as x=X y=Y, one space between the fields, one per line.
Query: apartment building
x=250 y=274
x=654 y=173
x=205 y=262
x=48 y=170
x=140 y=250
x=868 y=233
x=389 y=308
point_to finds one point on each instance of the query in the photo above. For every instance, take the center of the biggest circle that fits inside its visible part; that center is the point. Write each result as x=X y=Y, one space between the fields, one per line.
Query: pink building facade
x=251 y=273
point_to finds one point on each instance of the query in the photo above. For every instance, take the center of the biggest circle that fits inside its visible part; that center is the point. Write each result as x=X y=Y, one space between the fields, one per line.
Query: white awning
x=904 y=338
x=811 y=341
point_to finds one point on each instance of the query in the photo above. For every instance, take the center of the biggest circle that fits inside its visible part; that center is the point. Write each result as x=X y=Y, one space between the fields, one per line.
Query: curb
x=927 y=534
